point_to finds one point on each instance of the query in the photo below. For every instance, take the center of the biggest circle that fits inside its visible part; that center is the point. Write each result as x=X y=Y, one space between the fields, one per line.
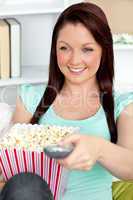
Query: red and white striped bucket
x=14 y=161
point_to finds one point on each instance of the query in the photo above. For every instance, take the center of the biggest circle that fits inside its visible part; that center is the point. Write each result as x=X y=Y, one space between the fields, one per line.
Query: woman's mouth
x=76 y=71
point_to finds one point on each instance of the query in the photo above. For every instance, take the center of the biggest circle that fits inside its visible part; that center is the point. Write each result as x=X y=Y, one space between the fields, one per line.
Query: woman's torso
x=95 y=184
x=90 y=118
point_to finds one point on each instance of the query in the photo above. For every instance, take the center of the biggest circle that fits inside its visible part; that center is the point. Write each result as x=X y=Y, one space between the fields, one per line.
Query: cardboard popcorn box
x=21 y=150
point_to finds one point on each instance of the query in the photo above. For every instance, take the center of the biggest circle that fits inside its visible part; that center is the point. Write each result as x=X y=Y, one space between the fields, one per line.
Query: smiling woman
x=80 y=93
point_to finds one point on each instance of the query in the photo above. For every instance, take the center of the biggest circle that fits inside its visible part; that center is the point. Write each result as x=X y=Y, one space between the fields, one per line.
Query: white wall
x=124 y=69
x=36 y=38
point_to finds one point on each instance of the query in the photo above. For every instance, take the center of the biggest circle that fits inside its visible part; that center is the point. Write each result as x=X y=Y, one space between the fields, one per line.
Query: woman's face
x=78 y=54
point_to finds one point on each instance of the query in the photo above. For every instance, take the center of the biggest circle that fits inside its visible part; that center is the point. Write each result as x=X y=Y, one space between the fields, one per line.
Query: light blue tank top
x=95 y=184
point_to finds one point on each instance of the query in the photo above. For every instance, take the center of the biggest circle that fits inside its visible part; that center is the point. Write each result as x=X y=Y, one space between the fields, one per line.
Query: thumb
x=71 y=139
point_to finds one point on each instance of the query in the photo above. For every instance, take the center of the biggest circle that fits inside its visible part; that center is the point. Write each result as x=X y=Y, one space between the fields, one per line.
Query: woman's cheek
x=60 y=59
x=63 y=58
x=92 y=61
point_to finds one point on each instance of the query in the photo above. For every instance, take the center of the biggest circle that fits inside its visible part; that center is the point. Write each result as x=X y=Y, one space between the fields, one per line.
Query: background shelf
x=18 y=7
x=30 y=74
x=123 y=46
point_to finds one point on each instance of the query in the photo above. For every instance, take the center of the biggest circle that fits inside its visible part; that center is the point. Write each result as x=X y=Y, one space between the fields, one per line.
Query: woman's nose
x=75 y=58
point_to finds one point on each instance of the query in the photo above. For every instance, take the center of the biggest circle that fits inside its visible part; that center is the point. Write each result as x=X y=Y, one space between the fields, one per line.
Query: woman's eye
x=63 y=48
x=85 y=50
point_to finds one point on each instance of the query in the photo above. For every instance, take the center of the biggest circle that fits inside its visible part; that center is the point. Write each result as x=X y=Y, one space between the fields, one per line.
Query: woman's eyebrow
x=84 y=44
x=88 y=43
x=63 y=42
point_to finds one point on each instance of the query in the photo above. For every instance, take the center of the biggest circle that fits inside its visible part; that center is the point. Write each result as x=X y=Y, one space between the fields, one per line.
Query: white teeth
x=76 y=70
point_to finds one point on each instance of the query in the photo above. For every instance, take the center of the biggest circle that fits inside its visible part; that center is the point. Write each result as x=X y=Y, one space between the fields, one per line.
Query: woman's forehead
x=76 y=33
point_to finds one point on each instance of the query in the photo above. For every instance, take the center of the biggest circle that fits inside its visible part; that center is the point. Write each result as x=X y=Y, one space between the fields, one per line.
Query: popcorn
x=34 y=137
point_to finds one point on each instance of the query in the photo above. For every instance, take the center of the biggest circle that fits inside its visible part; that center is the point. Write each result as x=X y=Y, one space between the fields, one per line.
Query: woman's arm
x=118 y=159
x=21 y=115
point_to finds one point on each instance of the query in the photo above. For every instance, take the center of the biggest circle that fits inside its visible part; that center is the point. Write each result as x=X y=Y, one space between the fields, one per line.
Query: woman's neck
x=90 y=88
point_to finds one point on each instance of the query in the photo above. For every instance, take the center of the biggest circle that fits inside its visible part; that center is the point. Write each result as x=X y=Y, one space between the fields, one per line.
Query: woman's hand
x=86 y=152
x=2 y=182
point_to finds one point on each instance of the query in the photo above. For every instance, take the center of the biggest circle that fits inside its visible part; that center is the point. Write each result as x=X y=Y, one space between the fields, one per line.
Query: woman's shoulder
x=32 y=88
x=121 y=100
x=31 y=95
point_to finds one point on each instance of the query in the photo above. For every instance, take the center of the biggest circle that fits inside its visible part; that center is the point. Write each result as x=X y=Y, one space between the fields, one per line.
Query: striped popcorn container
x=15 y=161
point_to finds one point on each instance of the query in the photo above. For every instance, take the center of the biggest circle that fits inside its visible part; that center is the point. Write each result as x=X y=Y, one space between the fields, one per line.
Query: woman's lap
x=26 y=186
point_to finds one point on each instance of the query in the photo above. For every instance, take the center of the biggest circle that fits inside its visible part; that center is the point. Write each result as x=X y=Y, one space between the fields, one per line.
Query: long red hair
x=94 y=19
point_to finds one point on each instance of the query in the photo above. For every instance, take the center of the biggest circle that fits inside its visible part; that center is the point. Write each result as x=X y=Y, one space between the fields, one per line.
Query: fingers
x=71 y=139
x=2 y=183
x=83 y=166
x=87 y=165
x=81 y=157
x=76 y=160
x=74 y=157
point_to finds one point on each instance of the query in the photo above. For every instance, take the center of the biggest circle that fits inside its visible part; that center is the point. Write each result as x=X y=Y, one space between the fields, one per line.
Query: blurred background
x=119 y=14
x=37 y=19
